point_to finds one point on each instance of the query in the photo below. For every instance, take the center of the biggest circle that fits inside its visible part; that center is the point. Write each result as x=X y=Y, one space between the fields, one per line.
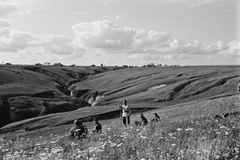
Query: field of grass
x=186 y=98
x=189 y=133
x=143 y=88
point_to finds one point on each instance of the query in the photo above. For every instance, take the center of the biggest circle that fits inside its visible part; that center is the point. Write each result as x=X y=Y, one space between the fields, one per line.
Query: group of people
x=79 y=130
x=126 y=111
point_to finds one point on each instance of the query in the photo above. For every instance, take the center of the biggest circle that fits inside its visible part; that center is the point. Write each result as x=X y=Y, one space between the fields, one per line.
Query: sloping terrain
x=33 y=91
x=143 y=88
x=168 y=85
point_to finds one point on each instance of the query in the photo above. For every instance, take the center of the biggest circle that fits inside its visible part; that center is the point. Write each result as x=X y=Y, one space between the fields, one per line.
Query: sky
x=120 y=32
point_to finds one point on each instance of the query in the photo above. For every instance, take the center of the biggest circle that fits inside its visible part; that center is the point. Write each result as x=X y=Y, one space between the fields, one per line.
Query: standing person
x=238 y=87
x=98 y=127
x=126 y=111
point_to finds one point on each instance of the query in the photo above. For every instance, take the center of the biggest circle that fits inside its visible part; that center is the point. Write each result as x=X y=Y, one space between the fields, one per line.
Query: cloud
x=147 y=57
x=232 y=49
x=8 y=8
x=4 y=23
x=106 y=36
x=23 y=42
x=114 y=19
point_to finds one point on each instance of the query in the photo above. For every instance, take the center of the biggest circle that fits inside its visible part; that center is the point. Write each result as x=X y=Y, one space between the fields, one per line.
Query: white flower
x=223 y=127
x=189 y=129
x=179 y=129
x=119 y=144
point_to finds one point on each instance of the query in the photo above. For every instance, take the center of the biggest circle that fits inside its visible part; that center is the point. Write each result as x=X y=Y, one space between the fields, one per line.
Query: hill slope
x=144 y=88
x=39 y=90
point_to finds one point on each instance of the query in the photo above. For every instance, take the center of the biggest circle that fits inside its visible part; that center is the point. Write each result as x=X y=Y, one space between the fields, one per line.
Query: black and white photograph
x=119 y=79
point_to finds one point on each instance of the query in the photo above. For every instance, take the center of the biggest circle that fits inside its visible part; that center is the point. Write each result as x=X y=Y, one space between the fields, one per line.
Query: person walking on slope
x=126 y=111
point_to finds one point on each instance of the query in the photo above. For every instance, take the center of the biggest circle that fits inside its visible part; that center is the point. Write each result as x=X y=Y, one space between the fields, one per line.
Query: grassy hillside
x=186 y=132
x=33 y=91
x=143 y=88
x=174 y=85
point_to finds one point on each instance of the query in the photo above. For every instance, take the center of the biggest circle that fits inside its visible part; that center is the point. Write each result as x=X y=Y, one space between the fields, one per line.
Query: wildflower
x=170 y=134
x=113 y=144
x=56 y=150
x=143 y=137
x=173 y=145
x=189 y=129
x=119 y=144
x=179 y=129
x=223 y=127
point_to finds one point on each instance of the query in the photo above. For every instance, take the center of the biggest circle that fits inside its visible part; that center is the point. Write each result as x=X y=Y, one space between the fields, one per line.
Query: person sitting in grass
x=78 y=130
x=156 y=118
x=98 y=127
x=126 y=111
x=144 y=120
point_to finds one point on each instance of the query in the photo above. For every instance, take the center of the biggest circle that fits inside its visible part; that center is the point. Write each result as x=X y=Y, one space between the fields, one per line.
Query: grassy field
x=186 y=98
x=186 y=132
x=144 y=88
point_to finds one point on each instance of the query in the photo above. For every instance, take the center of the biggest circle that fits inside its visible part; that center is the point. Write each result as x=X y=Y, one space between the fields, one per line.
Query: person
x=98 y=127
x=78 y=130
x=238 y=87
x=126 y=111
x=143 y=121
x=156 y=118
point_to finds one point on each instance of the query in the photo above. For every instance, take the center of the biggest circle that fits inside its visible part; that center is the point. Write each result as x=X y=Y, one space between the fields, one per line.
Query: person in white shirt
x=126 y=111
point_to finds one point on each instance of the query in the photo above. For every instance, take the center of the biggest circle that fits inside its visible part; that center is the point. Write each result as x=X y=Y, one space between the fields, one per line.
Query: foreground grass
x=199 y=139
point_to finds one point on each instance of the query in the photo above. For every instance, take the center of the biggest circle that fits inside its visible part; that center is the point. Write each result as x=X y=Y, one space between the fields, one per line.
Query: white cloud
x=23 y=42
x=4 y=23
x=8 y=8
x=111 y=18
x=106 y=36
x=146 y=57
x=232 y=49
